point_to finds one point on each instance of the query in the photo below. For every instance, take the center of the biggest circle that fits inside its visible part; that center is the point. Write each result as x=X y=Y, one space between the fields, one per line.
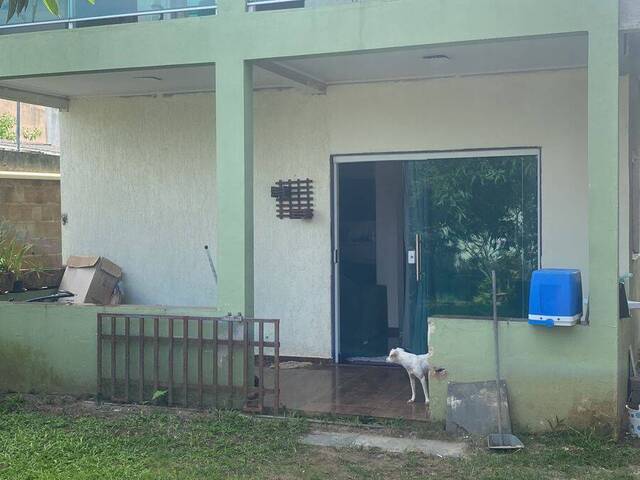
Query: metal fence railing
x=200 y=362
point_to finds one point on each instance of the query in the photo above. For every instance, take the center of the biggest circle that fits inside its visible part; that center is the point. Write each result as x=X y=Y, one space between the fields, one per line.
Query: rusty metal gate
x=199 y=362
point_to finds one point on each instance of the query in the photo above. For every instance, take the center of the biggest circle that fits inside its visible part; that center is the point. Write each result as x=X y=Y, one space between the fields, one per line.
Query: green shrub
x=15 y=253
x=7 y=127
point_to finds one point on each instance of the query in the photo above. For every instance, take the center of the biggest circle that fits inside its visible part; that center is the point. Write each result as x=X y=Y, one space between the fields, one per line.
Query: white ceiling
x=469 y=59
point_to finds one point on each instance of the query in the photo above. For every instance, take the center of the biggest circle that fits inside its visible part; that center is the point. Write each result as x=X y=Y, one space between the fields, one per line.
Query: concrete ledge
x=31 y=162
x=29 y=175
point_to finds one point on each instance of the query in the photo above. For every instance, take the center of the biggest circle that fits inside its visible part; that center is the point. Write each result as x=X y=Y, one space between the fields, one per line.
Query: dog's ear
x=393 y=353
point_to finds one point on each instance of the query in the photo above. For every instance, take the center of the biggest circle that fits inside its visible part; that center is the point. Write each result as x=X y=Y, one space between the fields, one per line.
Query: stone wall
x=33 y=206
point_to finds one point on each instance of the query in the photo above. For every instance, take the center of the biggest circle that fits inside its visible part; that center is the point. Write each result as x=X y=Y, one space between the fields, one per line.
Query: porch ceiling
x=519 y=55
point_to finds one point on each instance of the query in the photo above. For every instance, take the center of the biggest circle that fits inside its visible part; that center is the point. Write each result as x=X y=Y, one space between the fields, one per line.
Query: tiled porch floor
x=378 y=391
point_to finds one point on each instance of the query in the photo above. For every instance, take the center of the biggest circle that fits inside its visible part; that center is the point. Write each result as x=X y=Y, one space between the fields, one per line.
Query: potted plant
x=49 y=277
x=15 y=259
x=6 y=281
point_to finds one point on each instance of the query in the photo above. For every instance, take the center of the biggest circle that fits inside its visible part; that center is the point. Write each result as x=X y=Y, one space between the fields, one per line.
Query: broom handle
x=213 y=268
x=494 y=295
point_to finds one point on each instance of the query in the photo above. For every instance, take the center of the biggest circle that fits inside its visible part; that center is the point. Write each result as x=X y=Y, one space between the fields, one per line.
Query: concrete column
x=603 y=176
x=234 y=170
x=603 y=169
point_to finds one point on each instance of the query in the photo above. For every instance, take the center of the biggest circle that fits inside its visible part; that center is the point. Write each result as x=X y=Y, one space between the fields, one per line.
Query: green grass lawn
x=69 y=442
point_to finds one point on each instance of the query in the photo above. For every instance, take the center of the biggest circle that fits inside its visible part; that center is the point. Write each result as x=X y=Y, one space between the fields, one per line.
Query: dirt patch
x=391 y=428
x=356 y=463
x=77 y=407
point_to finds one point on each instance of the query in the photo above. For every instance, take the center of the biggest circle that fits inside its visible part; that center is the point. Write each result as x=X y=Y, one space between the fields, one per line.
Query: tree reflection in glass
x=475 y=215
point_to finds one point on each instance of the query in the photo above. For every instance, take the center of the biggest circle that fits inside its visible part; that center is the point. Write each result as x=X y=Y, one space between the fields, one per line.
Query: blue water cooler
x=555 y=298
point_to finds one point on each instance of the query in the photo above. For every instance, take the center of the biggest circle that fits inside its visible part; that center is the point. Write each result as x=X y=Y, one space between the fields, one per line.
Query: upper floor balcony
x=81 y=13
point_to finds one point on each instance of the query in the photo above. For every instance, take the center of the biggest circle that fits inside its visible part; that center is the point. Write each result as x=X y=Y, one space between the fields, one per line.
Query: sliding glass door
x=457 y=216
x=467 y=216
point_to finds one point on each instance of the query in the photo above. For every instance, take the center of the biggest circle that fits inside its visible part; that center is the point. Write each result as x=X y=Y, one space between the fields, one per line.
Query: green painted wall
x=568 y=372
x=52 y=348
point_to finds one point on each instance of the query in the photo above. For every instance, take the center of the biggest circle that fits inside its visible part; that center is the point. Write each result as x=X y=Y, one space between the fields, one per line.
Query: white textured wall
x=293 y=257
x=138 y=179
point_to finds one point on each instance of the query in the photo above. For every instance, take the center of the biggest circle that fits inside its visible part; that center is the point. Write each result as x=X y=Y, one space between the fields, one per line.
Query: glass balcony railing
x=80 y=13
x=36 y=12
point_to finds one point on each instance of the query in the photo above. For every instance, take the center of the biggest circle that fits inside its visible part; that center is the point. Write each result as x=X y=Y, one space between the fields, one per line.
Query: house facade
x=442 y=140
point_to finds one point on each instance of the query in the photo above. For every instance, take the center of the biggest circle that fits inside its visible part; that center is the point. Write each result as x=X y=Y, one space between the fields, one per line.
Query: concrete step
x=436 y=448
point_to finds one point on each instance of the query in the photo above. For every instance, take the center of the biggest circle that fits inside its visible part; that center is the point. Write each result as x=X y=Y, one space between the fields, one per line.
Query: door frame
x=338 y=159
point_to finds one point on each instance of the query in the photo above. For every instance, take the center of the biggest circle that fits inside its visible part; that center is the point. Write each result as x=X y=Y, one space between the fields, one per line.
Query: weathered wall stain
x=594 y=414
x=24 y=369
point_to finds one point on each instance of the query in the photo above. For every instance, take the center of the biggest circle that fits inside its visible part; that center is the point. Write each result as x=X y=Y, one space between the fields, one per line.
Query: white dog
x=417 y=366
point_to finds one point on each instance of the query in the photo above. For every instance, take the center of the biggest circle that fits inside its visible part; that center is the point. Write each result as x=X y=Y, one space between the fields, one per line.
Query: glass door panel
x=465 y=217
x=416 y=208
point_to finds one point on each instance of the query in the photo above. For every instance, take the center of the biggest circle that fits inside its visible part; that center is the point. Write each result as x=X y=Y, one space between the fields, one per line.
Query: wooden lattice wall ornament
x=294 y=198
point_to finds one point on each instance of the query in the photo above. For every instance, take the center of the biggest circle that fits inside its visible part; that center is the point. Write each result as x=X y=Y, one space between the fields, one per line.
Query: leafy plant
x=556 y=424
x=14 y=257
x=16 y=7
x=7 y=127
x=31 y=134
x=159 y=398
x=158 y=394
x=15 y=253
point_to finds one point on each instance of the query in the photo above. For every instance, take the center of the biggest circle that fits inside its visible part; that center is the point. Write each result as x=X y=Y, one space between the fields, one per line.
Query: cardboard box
x=91 y=279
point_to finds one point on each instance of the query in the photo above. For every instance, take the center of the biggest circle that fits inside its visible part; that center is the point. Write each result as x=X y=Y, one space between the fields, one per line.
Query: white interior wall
x=390 y=236
x=137 y=173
